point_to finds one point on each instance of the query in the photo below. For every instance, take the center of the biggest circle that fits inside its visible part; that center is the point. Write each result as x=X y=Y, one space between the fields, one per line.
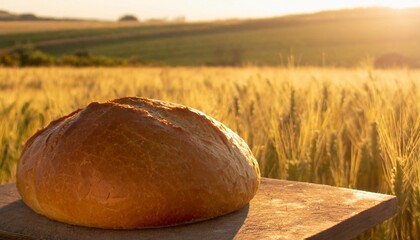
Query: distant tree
x=128 y=18
x=28 y=17
x=26 y=55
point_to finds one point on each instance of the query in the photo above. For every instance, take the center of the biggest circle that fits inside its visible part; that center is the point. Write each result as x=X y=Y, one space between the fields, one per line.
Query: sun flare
x=192 y=10
x=403 y=4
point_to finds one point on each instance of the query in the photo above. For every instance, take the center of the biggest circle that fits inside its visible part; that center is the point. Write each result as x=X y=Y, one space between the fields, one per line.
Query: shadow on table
x=20 y=220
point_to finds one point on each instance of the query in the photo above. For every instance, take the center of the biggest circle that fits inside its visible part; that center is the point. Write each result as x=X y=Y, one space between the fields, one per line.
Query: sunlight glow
x=403 y=4
x=191 y=9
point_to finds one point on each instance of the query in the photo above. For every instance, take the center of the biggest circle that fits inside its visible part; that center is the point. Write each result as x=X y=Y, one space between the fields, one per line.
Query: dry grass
x=356 y=128
x=13 y=27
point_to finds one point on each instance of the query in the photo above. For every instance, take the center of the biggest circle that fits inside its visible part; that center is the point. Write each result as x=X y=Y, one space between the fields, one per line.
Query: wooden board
x=280 y=210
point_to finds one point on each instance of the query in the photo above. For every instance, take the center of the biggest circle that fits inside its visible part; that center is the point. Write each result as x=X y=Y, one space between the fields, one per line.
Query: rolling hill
x=8 y=16
x=342 y=38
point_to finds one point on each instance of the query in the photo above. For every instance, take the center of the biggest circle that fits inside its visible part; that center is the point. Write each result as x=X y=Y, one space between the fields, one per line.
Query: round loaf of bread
x=136 y=163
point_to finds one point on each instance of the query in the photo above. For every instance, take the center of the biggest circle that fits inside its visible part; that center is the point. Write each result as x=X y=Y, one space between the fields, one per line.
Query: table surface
x=280 y=210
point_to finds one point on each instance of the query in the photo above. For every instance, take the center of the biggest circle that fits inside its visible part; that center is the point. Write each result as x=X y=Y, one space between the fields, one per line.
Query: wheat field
x=356 y=128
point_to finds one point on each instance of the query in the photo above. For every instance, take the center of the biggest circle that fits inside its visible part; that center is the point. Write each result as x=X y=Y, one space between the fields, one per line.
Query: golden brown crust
x=136 y=163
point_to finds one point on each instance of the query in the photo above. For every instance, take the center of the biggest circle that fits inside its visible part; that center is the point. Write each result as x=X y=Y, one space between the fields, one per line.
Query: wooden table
x=280 y=210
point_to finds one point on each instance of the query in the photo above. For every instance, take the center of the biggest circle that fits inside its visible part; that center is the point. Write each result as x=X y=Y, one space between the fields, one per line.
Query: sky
x=194 y=10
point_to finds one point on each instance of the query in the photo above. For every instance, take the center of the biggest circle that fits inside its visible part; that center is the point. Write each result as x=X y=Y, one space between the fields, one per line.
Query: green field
x=337 y=38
